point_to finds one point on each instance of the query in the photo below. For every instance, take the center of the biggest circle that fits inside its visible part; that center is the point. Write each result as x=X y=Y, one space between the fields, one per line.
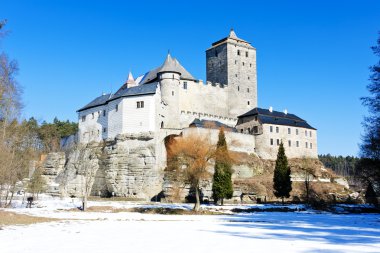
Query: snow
x=94 y=232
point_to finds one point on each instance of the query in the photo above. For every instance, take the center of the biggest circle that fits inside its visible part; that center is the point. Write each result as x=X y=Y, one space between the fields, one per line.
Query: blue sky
x=312 y=56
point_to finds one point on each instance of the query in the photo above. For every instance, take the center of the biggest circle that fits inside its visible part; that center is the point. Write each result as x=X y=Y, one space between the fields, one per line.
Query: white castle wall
x=91 y=129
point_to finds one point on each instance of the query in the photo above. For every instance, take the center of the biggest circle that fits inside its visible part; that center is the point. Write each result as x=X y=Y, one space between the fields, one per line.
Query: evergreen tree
x=369 y=166
x=281 y=180
x=222 y=183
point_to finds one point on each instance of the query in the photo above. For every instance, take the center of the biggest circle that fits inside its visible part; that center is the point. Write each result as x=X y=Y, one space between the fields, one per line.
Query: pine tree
x=369 y=165
x=281 y=180
x=222 y=183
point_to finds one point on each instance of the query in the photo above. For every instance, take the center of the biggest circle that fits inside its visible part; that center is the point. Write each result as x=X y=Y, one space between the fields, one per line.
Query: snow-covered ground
x=93 y=232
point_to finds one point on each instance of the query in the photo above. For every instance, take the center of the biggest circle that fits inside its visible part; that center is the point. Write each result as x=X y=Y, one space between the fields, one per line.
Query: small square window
x=249 y=78
x=83 y=118
x=235 y=75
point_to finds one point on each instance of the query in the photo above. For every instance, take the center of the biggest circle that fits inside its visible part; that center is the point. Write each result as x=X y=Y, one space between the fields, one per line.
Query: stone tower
x=169 y=78
x=232 y=61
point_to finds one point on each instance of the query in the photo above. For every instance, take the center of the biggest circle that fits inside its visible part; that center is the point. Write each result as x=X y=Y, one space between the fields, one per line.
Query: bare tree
x=307 y=167
x=86 y=165
x=189 y=158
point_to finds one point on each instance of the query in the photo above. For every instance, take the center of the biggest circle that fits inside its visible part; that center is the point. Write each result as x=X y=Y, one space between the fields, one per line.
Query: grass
x=9 y=218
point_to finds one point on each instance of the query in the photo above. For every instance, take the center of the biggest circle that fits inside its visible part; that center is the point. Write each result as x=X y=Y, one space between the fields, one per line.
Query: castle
x=168 y=100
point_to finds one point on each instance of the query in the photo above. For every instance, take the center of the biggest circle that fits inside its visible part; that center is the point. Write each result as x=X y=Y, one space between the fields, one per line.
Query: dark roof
x=122 y=92
x=102 y=100
x=211 y=124
x=135 y=90
x=170 y=65
x=276 y=118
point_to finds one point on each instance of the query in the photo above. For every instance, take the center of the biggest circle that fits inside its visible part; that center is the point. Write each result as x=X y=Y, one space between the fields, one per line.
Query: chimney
x=270 y=108
x=286 y=111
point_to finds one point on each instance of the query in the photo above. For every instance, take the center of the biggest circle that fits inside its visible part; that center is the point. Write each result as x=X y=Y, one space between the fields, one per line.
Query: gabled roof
x=170 y=65
x=124 y=91
x=211 y=124
x=143 y=89
x=266 y=116
x=101 y=100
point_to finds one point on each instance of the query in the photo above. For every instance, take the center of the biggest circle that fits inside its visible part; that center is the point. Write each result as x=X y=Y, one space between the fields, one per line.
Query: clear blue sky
x=312 y=56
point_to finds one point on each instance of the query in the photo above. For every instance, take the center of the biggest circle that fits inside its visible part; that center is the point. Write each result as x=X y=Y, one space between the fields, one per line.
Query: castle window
x=255 y=118
x=249 y=78
x=243 y=63
x=172 y=93
x=216 y=53
x=104 y=129
x=306 y=144
x=250 y=65
x=310 y=133
x=305 y=133
x=255 y=129
x=297 y=131
x=289 y=130
x=271 y=129
x=185 y=85
x=140 y=104
x=238 y=52
x=246 y=54
x=98 y=132
x=235 y=75
x=289 y=143
x=104 y=113
x=92 y=115
x=162 y=124
x=117 y=107
x=248 y=102
x=271 y=142
x=278 y=142
x=248 y=90
x=83 y=118
x=297 y=144
x=241 y=130
x=311 y=145
x=173 y=76
x=277 y=129
x=238 y=88
x=235 y=62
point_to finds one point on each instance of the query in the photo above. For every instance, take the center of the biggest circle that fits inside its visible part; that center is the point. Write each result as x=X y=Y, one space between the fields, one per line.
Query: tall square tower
x=232 y=61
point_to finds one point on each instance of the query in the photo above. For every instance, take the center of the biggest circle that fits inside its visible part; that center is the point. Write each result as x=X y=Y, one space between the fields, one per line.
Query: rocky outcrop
x=125 y=167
